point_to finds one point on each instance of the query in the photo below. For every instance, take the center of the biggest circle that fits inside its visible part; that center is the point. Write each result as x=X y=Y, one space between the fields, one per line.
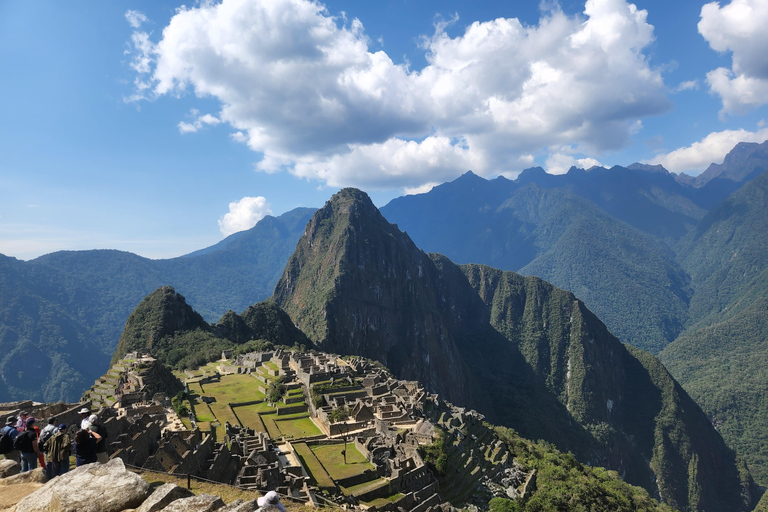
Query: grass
x=365 y=486
x=234 y=388
x=380 y=502
x=316 y=470
x=249 y=415
x=223 y=413
x=298 y=428
x=333 y=461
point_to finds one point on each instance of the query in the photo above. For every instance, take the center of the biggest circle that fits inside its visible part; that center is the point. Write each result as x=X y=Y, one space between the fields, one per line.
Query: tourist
x=26 y=443
x=33 y=426
x=10 y=429
x=45 y=435
x=57 y=452
x=85 y=447
x=21 y=425
x=84 y=413
x=101 y=446
x=270 y=502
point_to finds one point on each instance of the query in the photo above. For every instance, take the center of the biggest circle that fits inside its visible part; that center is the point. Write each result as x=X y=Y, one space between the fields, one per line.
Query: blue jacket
x=12 y=430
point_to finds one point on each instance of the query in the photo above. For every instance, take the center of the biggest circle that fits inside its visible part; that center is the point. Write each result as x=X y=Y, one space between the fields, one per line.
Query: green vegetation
x=334 y=461
x=275 y=390
x=317 y=472
x=435 y=453
x=564 y=484
x=175 y=334
x=298 y=428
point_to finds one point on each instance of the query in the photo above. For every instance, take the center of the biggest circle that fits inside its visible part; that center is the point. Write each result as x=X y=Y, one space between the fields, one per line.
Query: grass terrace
x=316 y=470
x=333 y=461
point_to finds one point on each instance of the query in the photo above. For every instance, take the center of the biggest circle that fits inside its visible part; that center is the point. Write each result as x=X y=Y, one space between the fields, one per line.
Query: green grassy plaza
x=333 y=460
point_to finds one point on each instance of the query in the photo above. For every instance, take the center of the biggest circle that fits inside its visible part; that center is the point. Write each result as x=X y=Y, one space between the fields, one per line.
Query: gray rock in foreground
x=9 y=467
x=163 y=496
x=240 y=506
x=199 y=503
x=36 y=476
x=91 y=488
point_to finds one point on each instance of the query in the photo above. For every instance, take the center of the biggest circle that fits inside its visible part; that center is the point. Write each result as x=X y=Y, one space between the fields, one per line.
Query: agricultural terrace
x=332 y=459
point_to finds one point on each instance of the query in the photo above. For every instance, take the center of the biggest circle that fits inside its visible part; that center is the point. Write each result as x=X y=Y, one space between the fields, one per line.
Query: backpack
x=23 y=441
x=6 y=443
x=45 y=436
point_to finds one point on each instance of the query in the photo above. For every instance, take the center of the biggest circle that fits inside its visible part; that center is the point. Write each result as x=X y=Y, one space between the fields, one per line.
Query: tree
x=340 y=415
x=276 y=390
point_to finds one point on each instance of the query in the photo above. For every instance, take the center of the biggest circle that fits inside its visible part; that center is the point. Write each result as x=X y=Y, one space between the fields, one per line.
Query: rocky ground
x=106 y=487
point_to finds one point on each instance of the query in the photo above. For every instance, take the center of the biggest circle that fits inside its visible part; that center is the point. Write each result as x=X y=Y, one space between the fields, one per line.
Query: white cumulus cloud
x=305 y=90
x=135 y=18
x=739 y=28
x=710 y=149
x=561 y=160
x=244 y=214
x=199 y=122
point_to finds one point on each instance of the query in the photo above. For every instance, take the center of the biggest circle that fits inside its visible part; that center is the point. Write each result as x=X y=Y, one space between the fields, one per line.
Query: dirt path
x=12 y=494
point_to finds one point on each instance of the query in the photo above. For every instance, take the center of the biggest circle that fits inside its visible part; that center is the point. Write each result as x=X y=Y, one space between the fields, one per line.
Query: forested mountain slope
x=722 y=358
x=62 y=314
x=629 y=278
x=526 y=354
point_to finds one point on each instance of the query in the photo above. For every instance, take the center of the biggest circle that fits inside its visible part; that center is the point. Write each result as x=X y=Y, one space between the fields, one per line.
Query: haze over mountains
x=650 y=254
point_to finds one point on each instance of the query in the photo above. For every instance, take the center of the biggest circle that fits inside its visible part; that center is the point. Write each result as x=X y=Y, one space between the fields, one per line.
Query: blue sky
x=157 y=129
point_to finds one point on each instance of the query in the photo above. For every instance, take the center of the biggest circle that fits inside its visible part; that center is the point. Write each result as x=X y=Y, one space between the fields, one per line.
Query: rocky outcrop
x=9 y=467
x=199 y=503
x=36 y=476
x=162 y=497
x=91 y=488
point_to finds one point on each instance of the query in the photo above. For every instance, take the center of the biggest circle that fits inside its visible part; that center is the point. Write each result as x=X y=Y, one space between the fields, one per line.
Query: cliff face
x=646 y=426
x=357 y=285
x=519 y=350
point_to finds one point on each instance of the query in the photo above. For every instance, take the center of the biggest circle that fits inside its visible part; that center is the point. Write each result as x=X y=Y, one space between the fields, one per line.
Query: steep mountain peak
x=745 y=161
x=658 y=168
x=531 y=174
x=160 y=314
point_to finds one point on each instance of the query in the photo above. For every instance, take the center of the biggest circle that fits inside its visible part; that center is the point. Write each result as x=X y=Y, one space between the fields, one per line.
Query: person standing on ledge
x=101 y=446
x=10 y=430
x=84 y=418
x=85 y=447
x=57 y=451
x=26 y=443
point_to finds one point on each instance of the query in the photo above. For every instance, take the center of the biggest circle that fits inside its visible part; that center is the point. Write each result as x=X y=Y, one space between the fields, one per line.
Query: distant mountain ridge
x=62 y=313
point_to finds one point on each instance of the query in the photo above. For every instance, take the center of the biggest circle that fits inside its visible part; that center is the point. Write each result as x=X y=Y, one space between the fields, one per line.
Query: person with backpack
x=7 y=436
x=26 y=443
x=101 y=446
x=36 y=429
x=57 y=451
x=45 y=435
x=85 y=447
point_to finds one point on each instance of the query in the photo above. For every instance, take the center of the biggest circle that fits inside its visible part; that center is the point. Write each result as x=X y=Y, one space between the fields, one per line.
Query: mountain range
x=524 y=353
x=673 y=266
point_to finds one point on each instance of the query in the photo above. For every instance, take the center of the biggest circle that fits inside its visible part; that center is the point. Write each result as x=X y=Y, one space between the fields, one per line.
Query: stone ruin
x=389 y=421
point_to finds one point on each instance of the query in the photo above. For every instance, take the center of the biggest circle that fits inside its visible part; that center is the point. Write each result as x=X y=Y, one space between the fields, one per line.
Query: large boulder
x=91 y=488
x=163 y=496
x=9 y=467
x=199 y=503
